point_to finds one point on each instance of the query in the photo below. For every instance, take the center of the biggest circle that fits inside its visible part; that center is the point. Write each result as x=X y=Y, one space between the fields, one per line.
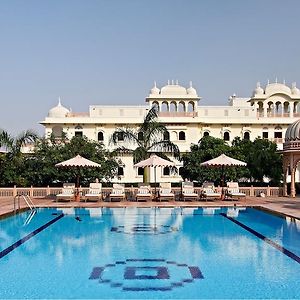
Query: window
x=265 y=135
x=181 y=136
x=246 y=135
x=57 y=131
x=140 y=171
x=206 y=133
x=120 y=136
x=166 y=136
x=78 y=133
x=120 y=171
x=100 y=136
x=278 y=135
x=226 y=136
x=180 y=171
x=140 y=136
x=166 y=171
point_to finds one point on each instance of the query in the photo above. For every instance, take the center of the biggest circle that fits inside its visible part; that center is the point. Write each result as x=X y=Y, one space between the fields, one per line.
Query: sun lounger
x=188 y=192
x=233 y=191
x=144 y=193
x=118 y=192
x=165 y=192
x=95 y=192
x=209 y=191
x=68 y=192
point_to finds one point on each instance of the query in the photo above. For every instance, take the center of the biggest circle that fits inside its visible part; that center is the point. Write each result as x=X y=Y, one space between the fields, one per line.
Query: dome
x=293 y=132
x=258 y=91
x=275 y=88
x=58 y=111
x=173 y=90
x=191 y=90
x=155 y=90
x=295 y=90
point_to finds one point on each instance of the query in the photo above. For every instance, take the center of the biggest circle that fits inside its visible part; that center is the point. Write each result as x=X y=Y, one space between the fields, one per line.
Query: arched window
x=165 y=107
x=174 y=136
x=180 y=171
x=278 y=132
x=246 y=135
x=191 y=107
x=140 y=171
x=100 y=136
x=140 y=136
x=166 y=171
x=206 y=133
x=57 y=131
x=120 y=171
x=226 y=136
x=181 y=136
x=173 y=106
x=156 y=105
x=166 y=136
x=120 y=136
x=181 y=107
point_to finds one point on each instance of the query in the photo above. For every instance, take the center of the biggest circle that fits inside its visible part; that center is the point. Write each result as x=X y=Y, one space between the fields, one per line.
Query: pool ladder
x=26 y=199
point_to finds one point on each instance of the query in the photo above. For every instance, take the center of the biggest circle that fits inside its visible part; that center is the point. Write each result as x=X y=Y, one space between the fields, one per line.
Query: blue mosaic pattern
x=144 y=229
x=146 y=274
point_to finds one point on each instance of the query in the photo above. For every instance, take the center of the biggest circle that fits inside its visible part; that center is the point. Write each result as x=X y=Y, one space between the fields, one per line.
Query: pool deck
x=282 y=205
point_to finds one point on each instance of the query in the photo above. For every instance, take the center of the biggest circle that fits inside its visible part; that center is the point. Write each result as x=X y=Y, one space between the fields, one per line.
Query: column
x=293 y=190
x=284 y=182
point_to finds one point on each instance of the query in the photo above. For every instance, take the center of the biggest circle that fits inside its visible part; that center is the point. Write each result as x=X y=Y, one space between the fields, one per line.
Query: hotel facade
x=265 y=114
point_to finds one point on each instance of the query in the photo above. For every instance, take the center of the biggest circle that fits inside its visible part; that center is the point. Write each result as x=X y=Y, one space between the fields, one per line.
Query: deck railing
x=43 y=192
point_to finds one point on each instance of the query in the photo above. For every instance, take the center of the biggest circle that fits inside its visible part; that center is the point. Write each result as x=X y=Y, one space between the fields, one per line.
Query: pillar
x=293 y=189
x=284 y=182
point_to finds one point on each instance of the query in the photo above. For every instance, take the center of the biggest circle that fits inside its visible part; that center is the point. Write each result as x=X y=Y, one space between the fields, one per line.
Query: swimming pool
x=149 y=253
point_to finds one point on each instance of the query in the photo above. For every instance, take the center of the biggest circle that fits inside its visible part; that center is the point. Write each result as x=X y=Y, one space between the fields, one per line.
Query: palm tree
x=13 y=145
x=151 y=136
x=12 y=160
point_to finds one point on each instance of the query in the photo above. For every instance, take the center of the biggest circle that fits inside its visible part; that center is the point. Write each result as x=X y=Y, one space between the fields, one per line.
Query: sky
x=111 y=51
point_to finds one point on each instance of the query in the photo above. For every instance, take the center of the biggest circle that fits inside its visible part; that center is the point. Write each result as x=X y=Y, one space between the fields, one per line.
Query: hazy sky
x=110 y=52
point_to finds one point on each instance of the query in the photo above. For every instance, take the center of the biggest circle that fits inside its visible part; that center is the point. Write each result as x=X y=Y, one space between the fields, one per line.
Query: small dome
x=191 y=90
x=155 y=90
x=259 y=90
x=295 y=90
x=277 y=88
x=293 y=132
x=173 y=90
x=58 y=111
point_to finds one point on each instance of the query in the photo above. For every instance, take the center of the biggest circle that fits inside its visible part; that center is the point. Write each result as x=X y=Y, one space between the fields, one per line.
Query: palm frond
x=129 y=136
x=165 y=146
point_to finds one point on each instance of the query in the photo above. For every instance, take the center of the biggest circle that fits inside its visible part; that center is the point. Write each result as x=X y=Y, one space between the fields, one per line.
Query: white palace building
x=266 y=114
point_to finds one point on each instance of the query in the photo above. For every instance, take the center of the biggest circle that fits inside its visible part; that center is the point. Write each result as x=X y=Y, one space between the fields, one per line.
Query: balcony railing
x=174 y=114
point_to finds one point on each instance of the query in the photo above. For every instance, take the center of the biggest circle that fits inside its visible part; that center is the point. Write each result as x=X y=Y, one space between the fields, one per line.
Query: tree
x=263 y=160
x=41 y=168
x=150 y=136
x=12 y=162
x=207 y=148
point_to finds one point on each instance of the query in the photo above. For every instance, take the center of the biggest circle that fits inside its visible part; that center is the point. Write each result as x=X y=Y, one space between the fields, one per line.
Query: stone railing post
x=251 y=191
x=15 y=191
x=268 y=191
x=31 y=191
x=47 y=190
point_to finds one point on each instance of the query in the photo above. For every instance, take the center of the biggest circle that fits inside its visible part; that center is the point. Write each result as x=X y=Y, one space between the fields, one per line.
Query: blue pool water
x=149 y=253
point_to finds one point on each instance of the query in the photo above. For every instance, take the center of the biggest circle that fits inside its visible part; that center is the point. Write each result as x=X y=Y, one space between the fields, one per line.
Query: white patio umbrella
x=78 y=162
x=222 y=162
x=154 y=161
